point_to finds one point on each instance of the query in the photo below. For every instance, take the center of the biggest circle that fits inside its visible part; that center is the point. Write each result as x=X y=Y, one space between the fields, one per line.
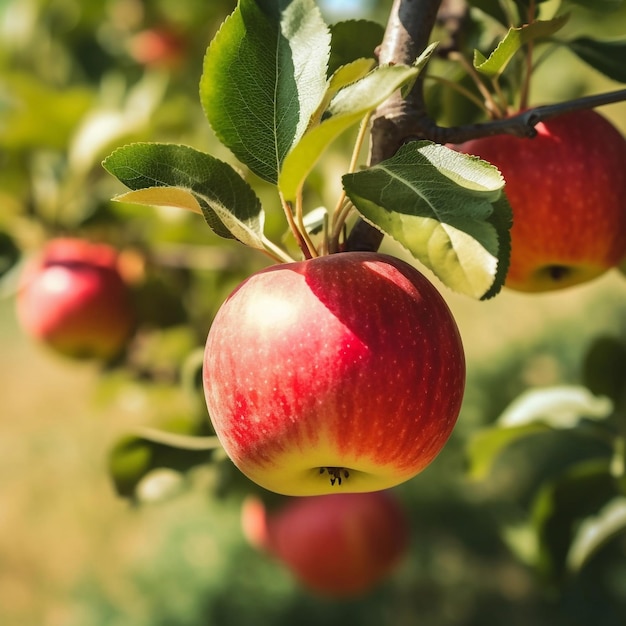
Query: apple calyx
x=336 y=474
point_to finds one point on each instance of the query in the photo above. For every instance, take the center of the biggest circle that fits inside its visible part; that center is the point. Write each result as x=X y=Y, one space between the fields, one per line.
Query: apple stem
x=307 y=247
x=276 y=253
x=490 y=104
x=525 y=91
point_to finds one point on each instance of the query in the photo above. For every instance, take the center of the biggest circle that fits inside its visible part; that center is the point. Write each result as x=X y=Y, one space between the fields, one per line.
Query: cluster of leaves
x=580 y=505
x=278 y=88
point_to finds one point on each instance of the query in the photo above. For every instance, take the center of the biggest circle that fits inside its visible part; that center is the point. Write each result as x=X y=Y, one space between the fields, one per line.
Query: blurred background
x=79 y=79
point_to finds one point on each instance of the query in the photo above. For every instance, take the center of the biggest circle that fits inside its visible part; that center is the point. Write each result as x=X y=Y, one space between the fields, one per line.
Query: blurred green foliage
x=74 y=553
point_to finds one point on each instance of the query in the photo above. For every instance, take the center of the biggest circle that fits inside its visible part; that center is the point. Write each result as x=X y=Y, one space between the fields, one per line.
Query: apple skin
x=343 y=373
x=567 y=190
x=72 y=298
x=337 y=546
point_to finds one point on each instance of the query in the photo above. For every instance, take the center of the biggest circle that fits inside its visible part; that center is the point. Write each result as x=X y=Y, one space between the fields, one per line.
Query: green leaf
x=604 y=369
x=347 y=108
x=439 y=204
x=487 y=445
x=133 y=457
x=607 y=57
x=513 y=41
x=264 y=77
x=561 y=505
x=532 y=412
x=174 y=175
x=352 y=40
x=558 y=407
x=596 y=531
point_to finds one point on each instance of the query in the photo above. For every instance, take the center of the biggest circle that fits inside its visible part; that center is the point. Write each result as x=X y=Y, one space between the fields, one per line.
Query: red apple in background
x=159 y=46
x=340 y=373
x=73 y=299
x=567 y=189
x=336 y=545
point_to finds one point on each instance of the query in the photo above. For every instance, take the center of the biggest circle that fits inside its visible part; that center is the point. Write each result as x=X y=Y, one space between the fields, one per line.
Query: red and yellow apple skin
x=73 y=299
x=338 y=546
x=343 y=373
x=567 y=190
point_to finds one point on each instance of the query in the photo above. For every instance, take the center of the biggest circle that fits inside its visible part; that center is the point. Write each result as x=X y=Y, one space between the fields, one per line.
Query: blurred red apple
x=336 y=545
x=567 y=189
x=340 y=373
x=160 y=46
x=73 y=299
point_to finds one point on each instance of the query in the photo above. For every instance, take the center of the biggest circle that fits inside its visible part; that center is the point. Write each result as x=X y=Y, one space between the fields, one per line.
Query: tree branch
x=399 y=120
x=406 y=36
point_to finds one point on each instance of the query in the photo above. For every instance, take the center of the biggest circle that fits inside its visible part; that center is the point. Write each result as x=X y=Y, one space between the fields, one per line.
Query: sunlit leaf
x=608 y=57
x=558 y=407
x=163 y=197
x=191 y=180
x=264 y=77
x=513 y=41
x=596 y=531
x=347 y=108
x=440 y=205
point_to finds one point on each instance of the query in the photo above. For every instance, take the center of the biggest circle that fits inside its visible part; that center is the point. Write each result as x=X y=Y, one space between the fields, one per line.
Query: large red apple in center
x=567 y=189
x=340 y=373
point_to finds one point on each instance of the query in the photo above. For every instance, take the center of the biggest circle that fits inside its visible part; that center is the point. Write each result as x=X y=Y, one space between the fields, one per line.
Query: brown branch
x=406 y=36
x=399 y=120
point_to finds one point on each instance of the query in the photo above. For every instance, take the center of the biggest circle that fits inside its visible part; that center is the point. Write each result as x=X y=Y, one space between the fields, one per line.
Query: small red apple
x=338 y=545
x=340 y=373
x=73 y=299
x=159 y=46
x=567 y=189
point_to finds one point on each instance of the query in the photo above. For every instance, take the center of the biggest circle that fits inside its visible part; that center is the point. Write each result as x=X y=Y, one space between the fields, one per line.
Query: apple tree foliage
x=278 y=87
x=281 y=89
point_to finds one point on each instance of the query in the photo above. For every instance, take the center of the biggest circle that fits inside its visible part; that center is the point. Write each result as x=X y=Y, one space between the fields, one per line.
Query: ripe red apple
x=73 y=299
x=336 y=545
x=340 y=373
x=567 y=189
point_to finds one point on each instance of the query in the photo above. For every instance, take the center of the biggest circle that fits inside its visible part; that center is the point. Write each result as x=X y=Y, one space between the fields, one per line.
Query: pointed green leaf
x=608 y=57
x=487 y=445
x=439 y=204
x=344 y=76
x=352 y=40
x=596 y=531
x=513 y=41
x=189 y=179
x=347 y=108
x=264 y=76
